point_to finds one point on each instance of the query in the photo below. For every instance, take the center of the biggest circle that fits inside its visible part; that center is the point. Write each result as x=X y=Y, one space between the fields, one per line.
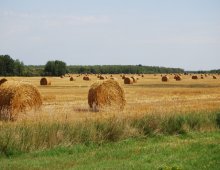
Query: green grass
x=24 y=137
x=186 y=151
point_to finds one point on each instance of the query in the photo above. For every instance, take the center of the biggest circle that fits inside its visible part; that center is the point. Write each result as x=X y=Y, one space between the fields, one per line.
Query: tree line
x=11 y=67
x=117 y=69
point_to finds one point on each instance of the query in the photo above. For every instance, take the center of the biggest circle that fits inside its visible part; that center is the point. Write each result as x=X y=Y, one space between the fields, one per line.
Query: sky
x=169 y=33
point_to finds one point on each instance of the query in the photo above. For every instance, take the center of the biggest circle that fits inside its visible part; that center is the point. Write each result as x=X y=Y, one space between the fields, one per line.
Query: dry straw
x=45 y=81
x=16 y=97
x=105 y=94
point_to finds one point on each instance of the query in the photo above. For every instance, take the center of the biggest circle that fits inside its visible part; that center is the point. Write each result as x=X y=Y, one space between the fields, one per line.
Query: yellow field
x=67 y=100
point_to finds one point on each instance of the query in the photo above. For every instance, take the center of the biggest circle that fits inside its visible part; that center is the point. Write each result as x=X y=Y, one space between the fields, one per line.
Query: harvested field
x=148 y=95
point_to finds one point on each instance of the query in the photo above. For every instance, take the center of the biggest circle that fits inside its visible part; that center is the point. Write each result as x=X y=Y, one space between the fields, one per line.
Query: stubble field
x=66 y=99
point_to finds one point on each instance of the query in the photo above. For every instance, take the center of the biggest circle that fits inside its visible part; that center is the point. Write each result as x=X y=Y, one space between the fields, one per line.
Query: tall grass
x=24 y=136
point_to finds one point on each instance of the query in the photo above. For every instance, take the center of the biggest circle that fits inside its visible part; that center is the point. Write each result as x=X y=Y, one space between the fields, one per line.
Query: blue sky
x=171 y=33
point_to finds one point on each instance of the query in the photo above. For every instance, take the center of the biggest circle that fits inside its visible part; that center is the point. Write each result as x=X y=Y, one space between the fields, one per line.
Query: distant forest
x=11 y=67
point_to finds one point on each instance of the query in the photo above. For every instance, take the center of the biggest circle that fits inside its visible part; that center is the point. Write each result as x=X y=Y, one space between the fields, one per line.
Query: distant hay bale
x=101 y=77
x=134 y=79
x=165 y=78
x=16 y=97
x=86 y=78
x=128 y=80
x=123 y=76
x=177 y=78
x=113 y=78
x=202 y=77
x=107 y=93
x=72 y=79
x=194 y=77
x=45 y=81
x=62 y=76
x=214 y=77
x=3 y=80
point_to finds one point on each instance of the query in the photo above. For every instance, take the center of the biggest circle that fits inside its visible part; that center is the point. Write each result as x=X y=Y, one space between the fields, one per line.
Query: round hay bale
x=107 y=93
x=128 y=80
x=72 y=79
x=3 y=80
x=45 y=81
x=101 y=77
x=214 y=77
x=134 y=79
x=16 y=97
x=165 y=78
x=194 y=77
x=177 y=78
x=86 y=78
x=123 y=77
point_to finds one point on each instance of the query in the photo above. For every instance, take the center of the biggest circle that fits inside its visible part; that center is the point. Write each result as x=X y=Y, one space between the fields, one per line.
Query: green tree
x=18 y=68
x=55 y=68
x=6 y=65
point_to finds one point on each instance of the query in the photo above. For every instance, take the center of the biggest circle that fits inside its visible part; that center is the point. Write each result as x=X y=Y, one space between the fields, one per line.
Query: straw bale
x=107 y=93
x=45 y=81
x=16 y=97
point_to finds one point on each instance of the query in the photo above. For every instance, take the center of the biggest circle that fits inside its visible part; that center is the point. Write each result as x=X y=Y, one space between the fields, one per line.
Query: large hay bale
x=86 y=78
x=3 y=80
x=72 y=79
x=214 y=77
x=16 y=97
x=165 y=78
x=107 y=93
x=194 y=77
x=45 y=81
x=128 y=80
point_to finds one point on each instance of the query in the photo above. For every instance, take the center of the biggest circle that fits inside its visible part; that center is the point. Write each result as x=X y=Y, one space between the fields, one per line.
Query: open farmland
x=152 y=108
x=66 y=99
